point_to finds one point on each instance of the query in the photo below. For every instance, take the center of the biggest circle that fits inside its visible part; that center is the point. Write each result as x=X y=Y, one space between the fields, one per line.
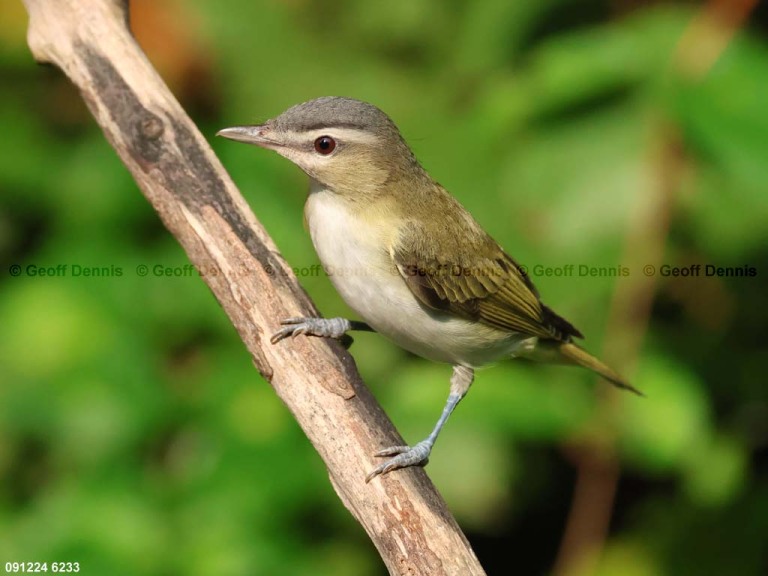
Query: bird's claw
x=293 y=327
x=320 y=327
x=404 y=457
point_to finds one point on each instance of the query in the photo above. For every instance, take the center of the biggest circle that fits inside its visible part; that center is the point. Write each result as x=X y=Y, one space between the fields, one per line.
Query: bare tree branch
x=181 y=177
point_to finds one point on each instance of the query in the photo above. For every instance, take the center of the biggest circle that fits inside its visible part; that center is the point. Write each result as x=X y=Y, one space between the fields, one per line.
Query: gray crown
x=334 y=111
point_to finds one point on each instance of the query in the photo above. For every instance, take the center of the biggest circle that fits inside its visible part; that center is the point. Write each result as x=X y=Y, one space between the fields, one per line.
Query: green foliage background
x=135 y=435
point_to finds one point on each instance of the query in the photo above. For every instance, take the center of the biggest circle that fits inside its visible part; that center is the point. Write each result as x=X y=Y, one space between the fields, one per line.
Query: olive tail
x=577 y=355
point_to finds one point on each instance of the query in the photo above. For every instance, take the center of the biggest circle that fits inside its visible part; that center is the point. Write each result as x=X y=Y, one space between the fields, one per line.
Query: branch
x=184 y=181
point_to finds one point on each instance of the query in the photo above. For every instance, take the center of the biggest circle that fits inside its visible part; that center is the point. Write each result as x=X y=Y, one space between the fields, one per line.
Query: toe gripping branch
x=418 y=455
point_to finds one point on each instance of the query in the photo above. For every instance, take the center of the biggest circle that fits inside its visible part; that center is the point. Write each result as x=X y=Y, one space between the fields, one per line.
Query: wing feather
x=480 y=283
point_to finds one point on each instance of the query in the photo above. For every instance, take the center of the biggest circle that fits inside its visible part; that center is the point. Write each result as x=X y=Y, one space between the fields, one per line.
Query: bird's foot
x=404 y=457
x=321 y=327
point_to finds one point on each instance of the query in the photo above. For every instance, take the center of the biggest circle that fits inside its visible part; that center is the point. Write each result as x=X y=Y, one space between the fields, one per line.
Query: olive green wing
x=478 y=282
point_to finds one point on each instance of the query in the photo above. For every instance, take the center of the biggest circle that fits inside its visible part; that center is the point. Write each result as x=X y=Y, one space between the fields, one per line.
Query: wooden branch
x=181 y=177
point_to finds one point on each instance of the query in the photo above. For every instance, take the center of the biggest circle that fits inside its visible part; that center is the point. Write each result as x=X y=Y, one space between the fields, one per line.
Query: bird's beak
x=257 y=135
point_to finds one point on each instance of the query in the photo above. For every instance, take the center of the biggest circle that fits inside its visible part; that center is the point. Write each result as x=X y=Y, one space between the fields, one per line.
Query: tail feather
x=577 y=355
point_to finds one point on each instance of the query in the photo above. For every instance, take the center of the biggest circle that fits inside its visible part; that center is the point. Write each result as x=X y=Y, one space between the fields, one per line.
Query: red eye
x=325 y=145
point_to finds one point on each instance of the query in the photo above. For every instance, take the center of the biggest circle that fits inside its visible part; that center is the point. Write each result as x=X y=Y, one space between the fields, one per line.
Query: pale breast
x=354 y=252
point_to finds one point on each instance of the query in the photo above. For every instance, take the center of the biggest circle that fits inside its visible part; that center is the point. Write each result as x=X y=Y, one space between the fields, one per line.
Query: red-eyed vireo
x=407 y=257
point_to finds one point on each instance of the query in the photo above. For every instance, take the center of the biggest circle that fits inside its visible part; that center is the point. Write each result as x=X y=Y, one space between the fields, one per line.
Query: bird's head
x=348 y=146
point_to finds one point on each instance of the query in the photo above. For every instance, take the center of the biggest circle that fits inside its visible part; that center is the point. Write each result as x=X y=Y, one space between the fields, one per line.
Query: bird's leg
x=418 y=455
x=322 y=327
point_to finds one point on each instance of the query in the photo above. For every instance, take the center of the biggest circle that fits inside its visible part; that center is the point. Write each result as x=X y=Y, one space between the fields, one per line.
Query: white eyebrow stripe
x=341 y=134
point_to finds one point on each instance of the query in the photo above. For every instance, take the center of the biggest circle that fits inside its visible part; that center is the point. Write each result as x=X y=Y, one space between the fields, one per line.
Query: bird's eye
x=325 y=145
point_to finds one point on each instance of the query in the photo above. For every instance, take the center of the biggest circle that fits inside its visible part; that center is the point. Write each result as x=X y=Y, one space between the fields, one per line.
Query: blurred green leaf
x=658 y=432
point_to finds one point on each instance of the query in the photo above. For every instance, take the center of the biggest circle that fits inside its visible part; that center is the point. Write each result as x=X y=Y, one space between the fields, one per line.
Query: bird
x=408 y=258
